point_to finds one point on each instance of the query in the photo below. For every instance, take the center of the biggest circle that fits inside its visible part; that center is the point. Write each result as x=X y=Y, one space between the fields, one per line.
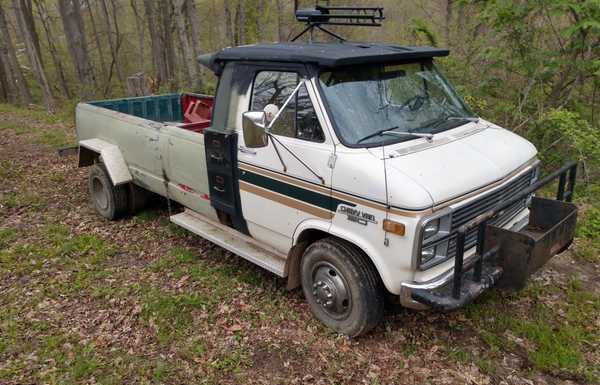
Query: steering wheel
x=415 y=103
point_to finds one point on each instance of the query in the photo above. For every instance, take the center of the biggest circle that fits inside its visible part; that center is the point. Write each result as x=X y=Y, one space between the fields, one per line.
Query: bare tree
x=166 y=16
x=113 y=38
x=60 y=73
x=449 y=11
x=97 y=41
x=17 y=89
x=139 y=26
x=228 y=27
x=25 y=22
x=188 y=52
x=72 y=21
x=3 y=84
x=159 y=57
x=195 y=23
x=240 y=35
x=280 y=20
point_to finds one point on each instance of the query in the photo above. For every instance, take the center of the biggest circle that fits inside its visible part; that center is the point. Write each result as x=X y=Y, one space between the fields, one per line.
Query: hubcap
x=330 y=290
x=100 y=195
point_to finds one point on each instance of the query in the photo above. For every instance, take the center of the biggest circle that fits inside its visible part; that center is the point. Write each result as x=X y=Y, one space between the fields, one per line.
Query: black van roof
x=322 y=54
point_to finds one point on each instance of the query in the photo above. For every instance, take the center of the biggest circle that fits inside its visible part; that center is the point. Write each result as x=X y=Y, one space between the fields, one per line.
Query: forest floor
x=140 y=301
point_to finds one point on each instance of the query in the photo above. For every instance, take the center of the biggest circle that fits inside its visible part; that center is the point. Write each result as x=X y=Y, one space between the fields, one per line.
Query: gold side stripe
x=326 y=190
x=290 y=202
x=376 y=205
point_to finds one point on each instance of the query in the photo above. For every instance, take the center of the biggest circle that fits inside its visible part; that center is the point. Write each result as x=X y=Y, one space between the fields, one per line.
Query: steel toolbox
x=504 y=257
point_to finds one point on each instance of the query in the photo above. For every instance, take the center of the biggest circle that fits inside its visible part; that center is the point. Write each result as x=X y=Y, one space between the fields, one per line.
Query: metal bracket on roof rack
x=348 y=16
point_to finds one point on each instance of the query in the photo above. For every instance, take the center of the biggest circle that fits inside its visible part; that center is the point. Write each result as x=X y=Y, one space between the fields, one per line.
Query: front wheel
x=342 y=286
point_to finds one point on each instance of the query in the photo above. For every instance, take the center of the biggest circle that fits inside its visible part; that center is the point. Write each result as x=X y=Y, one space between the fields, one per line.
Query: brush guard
x=506 y=258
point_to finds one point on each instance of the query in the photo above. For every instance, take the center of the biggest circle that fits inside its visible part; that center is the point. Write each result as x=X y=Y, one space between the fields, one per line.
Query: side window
x=299 y=119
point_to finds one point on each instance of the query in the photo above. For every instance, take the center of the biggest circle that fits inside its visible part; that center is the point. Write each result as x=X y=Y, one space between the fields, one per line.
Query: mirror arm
x=285 y=104
x=295 y=156
x=277 y=150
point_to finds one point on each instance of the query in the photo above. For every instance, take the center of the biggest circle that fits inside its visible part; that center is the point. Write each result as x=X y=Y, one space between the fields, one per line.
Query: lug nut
x=329 y=295
x=329 y=303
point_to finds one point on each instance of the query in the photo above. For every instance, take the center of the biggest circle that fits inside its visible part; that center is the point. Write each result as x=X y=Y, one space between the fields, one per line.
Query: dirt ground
x=140 y=301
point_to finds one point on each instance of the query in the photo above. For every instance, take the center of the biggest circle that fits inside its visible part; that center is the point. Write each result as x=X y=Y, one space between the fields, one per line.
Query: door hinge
x=331 y=161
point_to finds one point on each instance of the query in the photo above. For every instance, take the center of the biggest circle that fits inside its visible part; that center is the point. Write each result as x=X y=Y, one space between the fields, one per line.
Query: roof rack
x=348 y=16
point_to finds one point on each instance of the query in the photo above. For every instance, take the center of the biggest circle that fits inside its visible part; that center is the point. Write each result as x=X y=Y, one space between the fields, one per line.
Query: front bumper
x=503 y=257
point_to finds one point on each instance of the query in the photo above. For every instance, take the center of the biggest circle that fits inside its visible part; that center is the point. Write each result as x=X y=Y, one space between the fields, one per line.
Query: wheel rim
x=99 y=194
x=330 y=290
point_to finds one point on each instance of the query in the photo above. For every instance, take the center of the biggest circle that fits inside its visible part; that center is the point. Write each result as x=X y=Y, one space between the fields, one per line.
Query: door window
x=299 y=119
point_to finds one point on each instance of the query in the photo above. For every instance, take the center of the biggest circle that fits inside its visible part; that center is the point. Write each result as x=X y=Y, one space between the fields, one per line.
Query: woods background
x=530 y=66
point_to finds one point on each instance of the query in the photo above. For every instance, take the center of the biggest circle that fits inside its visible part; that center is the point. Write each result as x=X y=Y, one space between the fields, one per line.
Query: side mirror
x=253 y=124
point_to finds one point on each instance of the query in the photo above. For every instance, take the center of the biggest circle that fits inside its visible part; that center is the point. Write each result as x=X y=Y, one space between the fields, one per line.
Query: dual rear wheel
x=114 y=202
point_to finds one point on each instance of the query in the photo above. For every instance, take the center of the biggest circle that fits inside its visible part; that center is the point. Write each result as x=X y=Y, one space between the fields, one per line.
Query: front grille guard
x=566 y=184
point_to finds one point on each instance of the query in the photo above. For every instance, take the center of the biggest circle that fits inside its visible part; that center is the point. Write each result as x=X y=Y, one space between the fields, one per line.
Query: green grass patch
x=7 y=236
x=171 y=313
x=555 y=341
x=55 y=137
x=21 y=200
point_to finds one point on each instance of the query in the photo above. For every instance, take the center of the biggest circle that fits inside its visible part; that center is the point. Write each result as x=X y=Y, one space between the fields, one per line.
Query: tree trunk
x=18 y=90
x=448 y=21
x=75 y=35
x=96 y=40
x=280 y=21
x=165 y=11
x=259 y=19
x=4 y=85
x=139 y=26
x=228 y=27
x=188 y=52
x=33 y=54
x=195 y=23
x=241 y=23
x=60 y=73
x=113 y=41
x=160 y=72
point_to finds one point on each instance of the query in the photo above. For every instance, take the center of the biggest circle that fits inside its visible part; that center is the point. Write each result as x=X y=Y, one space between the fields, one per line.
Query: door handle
x=246 y=150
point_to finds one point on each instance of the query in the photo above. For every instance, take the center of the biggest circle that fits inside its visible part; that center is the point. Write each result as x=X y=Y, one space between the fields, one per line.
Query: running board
x=232 y=240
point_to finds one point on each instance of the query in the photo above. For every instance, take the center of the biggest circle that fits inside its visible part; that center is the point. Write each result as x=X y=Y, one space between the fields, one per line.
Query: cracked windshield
x=387 y=104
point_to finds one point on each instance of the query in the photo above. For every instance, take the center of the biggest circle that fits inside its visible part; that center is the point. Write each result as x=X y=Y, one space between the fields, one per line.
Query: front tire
x=109 y=200
x=342 y=287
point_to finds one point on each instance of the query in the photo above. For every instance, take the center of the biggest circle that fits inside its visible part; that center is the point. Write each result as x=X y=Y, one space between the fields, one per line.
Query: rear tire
x=342 y=287
x=109 y=200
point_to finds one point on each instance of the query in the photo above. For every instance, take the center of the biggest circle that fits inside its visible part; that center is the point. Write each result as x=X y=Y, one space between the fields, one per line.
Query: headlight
x=431 y=228
x=434 y=241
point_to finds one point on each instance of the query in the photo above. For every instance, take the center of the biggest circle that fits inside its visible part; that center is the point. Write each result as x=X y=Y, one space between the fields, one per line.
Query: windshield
x=410 y=97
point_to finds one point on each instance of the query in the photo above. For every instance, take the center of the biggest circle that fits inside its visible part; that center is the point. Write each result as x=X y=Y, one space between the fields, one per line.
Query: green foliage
x=420 y=29
x=561 y=135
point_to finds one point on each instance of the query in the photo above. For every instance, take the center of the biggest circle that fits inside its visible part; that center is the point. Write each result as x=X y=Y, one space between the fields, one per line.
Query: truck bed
x=185 y=110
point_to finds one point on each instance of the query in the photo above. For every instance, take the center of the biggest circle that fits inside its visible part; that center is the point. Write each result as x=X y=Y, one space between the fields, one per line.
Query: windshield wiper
x=390 y=131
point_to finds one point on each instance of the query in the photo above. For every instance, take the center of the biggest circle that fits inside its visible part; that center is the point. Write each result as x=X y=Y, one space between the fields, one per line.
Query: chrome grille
x=466 y=213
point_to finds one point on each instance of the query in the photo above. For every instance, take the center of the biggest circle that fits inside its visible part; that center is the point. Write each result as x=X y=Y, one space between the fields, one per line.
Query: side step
x=230 y=239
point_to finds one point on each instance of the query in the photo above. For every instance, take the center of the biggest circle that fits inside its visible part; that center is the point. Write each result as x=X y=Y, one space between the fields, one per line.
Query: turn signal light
x=393 y=227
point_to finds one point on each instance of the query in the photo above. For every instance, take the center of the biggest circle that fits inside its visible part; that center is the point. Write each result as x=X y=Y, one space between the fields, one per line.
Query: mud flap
x=550 y=231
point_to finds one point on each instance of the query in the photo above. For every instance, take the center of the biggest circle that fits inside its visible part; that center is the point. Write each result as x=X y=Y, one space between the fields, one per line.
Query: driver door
x=278 y=191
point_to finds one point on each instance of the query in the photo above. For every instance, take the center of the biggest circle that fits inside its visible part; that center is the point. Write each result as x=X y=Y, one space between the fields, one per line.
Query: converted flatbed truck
x=354 y=170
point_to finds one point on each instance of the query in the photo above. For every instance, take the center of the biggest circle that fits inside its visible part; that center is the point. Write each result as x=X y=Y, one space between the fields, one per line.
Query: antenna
x=348 y=16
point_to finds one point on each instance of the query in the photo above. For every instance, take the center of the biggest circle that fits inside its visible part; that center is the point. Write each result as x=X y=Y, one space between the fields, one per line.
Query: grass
x=13 y=200
x=51 y=130
x=552 y=343
x=171 y=314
